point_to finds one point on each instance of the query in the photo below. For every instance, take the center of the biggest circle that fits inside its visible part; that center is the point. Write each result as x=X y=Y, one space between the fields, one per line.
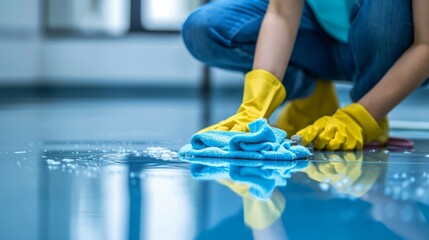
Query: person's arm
x=277 y=36
x=263 y=89
x=351 y=127
x=409 y=71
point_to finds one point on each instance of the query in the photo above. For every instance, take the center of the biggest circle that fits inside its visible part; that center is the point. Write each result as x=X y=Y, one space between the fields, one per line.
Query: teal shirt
x=333 y=16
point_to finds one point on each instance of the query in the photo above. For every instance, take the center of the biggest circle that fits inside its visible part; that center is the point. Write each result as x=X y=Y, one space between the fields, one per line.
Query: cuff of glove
x=270 y=82
x=371 y=129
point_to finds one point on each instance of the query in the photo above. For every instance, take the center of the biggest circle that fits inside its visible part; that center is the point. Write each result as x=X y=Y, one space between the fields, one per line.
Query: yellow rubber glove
x=263 y=93
x=299 y=113
x=347 y=129
x=258 y=214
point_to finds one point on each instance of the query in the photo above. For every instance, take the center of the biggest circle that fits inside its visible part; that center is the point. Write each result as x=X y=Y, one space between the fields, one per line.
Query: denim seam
x=234 y=34
x=238 y=49
x=339 y=61
x=242 y=52
x=358 y=3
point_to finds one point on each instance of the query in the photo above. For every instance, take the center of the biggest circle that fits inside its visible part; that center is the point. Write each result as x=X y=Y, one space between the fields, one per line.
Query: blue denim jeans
x=223 y=34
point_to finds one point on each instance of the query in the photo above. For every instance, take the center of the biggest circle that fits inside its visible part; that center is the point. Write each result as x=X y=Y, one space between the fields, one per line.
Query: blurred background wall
x=99 y=43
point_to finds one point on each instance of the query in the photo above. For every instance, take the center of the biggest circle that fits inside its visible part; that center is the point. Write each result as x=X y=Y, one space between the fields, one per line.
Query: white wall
x=130 y=60
x=19 y=14
x=27 y=58
x=19 y=46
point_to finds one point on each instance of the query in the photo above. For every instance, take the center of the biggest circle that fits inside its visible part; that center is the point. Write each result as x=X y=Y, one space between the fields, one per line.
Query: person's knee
x=195 y=34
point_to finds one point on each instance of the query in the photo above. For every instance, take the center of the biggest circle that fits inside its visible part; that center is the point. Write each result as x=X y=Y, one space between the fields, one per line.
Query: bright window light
x=166 y=14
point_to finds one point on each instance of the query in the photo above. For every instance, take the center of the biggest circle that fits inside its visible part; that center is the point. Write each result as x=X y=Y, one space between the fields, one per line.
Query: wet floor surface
x=108 y=169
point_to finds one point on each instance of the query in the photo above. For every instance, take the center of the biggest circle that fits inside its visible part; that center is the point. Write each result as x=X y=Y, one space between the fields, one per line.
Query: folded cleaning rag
x=262 y=142
x=261 y=176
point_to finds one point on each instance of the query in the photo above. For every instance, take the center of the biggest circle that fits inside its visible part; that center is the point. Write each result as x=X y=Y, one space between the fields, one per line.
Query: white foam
x=52 y=162
x=68 y=160
x=161 y=153
x=324 y=186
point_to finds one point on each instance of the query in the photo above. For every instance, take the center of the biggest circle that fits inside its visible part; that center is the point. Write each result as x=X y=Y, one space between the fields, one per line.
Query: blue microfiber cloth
x=261 y=176
x=263 y=142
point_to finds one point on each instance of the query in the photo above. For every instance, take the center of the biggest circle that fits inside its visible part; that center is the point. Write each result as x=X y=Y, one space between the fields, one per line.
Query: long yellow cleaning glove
x=299 y=113
x=263 y=93
x=348 y=128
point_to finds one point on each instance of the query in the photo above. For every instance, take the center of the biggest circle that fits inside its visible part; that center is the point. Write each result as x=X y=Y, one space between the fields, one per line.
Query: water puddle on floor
x=136 y=189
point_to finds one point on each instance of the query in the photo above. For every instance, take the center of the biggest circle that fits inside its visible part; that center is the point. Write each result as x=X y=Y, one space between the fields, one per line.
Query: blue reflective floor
x=107 y=168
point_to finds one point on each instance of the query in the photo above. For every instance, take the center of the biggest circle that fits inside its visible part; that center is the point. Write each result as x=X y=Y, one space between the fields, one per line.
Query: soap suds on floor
x=161 y=153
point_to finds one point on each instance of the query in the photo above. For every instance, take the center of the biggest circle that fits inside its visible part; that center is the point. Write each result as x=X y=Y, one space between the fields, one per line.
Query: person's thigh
x=381 y=32
x=223 y=34
x=316 y=55
x=319 y=53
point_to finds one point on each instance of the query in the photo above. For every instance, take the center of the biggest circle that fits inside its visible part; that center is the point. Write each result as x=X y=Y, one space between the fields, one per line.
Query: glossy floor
x=108 y=169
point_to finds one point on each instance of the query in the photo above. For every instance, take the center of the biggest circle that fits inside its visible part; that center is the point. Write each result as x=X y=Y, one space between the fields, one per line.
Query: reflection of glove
x=300 y=113
x=263 y=93
x=263 y=205
x=261 y=214
x=346 y=171
x=349 y=128
x=258 y=214
x=254 y=181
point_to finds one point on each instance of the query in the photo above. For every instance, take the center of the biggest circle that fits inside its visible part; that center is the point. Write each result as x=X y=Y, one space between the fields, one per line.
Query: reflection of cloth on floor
x=261 y=176
x=262 y=142
x=255 y=181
